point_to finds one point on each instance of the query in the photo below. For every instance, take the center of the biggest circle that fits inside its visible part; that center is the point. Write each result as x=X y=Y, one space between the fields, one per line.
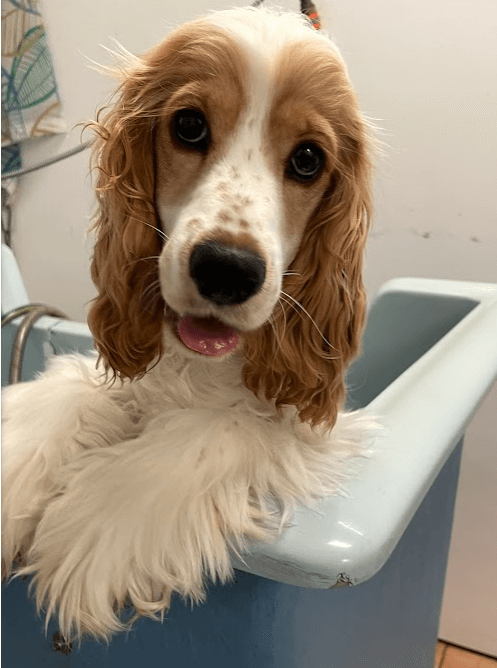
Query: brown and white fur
x=134 y=490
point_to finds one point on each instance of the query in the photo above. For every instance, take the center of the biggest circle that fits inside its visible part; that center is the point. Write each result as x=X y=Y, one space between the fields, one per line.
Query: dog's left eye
x=191 y=129
x=306 y=162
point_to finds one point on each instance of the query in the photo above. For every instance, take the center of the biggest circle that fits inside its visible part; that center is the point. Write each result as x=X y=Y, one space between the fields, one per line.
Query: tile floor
x=450 y=656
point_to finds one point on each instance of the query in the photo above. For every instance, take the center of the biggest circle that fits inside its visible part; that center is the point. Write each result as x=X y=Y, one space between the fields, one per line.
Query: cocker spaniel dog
x=233 y=207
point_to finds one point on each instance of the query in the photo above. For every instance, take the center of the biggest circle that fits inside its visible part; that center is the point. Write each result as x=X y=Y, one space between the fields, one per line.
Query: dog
x=233 y=187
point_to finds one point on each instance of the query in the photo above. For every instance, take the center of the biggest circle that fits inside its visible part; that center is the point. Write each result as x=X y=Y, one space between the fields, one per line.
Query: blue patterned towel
x=31 y=105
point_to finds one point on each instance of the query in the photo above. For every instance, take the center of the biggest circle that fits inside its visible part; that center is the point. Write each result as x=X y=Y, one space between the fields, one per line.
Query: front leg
x=157 y=514
x=137 y=521
x=45 y=424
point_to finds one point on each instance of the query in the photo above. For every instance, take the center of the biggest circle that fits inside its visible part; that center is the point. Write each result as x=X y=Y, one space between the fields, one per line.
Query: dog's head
x=234 y=200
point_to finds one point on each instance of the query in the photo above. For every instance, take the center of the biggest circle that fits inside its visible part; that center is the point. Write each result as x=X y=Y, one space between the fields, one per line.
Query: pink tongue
x=207 y=336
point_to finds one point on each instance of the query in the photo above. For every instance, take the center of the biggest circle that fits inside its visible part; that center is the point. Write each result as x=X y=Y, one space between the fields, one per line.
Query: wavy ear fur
x=126 y=316
x=300 y=357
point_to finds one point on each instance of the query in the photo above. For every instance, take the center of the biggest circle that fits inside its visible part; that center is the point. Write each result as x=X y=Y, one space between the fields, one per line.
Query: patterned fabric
x=11 y=158
x=30 y=101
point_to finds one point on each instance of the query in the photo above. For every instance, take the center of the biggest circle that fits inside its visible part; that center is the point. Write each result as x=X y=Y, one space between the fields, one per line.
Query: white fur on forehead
x=261 y=31
x=267 y=30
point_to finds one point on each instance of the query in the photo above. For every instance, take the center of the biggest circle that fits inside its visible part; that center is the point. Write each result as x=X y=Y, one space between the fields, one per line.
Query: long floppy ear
x=300 y=357
x=126 y=316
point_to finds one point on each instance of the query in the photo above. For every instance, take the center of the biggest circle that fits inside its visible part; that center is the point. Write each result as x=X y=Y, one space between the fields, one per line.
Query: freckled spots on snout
x=194 y=224
x=223 y=187
x=225 y=216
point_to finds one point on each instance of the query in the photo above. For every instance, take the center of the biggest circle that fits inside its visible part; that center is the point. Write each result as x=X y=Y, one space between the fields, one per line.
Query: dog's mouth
x=205 y=335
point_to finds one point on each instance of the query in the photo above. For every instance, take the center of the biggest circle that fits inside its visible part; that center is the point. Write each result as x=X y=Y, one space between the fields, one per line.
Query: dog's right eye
x=191 y=129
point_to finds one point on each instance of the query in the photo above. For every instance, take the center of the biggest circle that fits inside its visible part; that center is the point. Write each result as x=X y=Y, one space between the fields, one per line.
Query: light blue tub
x=430 y=357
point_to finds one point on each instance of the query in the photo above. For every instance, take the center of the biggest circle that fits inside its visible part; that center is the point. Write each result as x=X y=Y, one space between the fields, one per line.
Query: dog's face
x=240 y=140
x=242 y=164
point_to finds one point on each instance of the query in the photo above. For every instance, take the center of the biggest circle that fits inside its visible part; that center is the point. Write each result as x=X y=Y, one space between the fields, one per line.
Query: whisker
x=160 y=232
x=139 y=259
x=148 y=297
x=284 y=315
x=277 y=338
x=284 y=301
x=275 y=330
x=323 y=354
x=154 y=284
x=311 y=319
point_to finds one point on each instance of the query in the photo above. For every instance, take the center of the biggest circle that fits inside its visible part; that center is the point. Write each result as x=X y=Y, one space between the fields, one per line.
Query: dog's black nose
x=225 y=275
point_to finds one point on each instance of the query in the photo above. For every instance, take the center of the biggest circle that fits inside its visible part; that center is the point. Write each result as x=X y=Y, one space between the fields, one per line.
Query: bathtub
x=354 y=581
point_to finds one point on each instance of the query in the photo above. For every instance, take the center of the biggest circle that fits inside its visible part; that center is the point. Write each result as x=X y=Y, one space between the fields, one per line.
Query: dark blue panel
x=24 y=644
